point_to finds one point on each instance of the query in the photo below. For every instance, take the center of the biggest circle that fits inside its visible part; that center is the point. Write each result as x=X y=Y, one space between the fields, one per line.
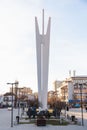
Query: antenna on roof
x=69 y=73
x=74 y=73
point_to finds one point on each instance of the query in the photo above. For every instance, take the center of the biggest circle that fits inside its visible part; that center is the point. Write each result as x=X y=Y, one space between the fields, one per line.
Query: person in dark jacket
x=29 y=112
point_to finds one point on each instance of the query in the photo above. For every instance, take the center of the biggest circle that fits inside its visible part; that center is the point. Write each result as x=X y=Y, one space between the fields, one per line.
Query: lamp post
x=19 y=102
x=16 y=92
x=81 y=85
x=12 y=103
x=64 y=99
x=56 y=102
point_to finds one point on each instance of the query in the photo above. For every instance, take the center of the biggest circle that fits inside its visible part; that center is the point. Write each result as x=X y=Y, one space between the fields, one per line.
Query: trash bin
x=67 y=108
x=73 y=118
x=17 y=119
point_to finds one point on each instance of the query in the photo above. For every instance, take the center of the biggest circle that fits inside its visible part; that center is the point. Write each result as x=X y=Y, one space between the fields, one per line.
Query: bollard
x=73 y=118
x=17 y=119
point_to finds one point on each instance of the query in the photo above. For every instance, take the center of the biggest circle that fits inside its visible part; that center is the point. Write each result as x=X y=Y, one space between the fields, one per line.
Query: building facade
x=71 y=89
x=21 y=91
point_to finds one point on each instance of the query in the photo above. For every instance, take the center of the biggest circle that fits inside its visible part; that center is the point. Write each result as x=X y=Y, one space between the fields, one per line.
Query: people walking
x=86 y=108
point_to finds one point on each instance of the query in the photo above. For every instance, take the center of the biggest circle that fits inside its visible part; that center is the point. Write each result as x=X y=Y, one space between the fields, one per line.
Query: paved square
x=5 y=123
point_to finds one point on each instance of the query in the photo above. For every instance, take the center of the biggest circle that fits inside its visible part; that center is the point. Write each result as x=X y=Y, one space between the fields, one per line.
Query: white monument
x=42 y=50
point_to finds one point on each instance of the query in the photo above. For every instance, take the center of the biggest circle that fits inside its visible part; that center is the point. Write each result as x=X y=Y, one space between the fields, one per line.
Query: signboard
x=73 y=101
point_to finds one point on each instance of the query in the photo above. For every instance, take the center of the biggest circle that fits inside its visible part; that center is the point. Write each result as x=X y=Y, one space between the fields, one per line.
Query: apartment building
x=71 y=88
x=21 y=91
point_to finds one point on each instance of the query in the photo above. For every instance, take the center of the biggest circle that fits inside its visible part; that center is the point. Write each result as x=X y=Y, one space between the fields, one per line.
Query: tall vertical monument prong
x=42 y=50
x=43 y=22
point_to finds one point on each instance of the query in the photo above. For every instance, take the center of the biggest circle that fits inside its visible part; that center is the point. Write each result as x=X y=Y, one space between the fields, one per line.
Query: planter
x=41 y=121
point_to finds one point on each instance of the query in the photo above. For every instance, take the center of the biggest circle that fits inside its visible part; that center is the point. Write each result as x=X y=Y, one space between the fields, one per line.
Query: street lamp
x=12 y=102
x=56 y=102
x=16 y=93
x=19 y=102
x=64 y=99
x=81 y=85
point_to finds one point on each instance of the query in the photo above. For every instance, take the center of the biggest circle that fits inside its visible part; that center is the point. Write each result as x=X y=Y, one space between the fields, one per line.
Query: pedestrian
x=29 y=112
x=34 y=111
x=67 y=108
x=86 y=108
x=23 y=109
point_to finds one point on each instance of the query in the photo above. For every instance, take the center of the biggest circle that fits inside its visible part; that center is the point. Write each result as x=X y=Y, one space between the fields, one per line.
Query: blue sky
x=68 y=41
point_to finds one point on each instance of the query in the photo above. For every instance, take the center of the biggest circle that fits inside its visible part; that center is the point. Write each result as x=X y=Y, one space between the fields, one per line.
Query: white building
x=70 y=89
x=7 y=99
